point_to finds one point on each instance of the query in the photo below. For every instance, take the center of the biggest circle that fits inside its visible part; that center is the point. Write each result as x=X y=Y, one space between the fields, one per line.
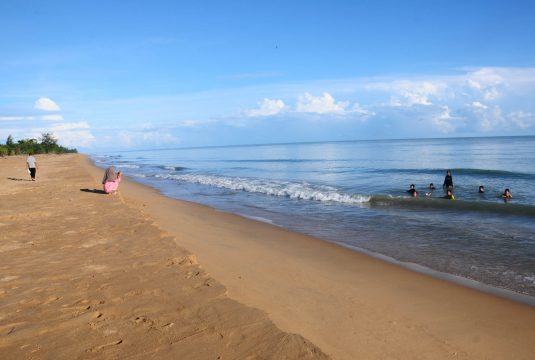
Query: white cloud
x=485 y=78
x=53 y=117
x=410 y=92
x=69 y=126
x=190 y=123
x=68 y=134
x=443 y=121
x=46 y=104
x=478 y=105
x=136 y=138
x=72 y=134
x=488 y=118
x=320 y=104
x=486 y=81
x=268 y=107
x=363 y=112
x=414 y=98
x=75 y=138
x=521 y=119
x=16 y=118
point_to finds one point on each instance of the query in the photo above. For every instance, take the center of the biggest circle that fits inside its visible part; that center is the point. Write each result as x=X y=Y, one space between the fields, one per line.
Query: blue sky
x=143 y=74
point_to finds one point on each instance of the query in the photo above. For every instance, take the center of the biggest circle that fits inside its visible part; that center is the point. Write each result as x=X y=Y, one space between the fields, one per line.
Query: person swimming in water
x=507 y=195
x=448 y=181
x=412 y=191
x=431 y=189
x=449 y=195
x=481 y=189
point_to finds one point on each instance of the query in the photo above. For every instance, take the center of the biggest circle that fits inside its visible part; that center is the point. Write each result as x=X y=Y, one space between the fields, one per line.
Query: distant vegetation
x=47 y=144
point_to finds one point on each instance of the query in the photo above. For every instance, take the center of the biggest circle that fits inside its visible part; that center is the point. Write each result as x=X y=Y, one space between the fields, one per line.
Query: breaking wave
x=292 y=190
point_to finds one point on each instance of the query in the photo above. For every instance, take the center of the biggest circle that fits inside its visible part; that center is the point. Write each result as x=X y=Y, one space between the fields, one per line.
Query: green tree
x=48 y=141
x=9 y=141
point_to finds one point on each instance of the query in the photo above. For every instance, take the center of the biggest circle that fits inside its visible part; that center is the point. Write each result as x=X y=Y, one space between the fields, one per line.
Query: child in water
x=507 y=195
x=449 y=195
x=481 y=189
x=431 y=188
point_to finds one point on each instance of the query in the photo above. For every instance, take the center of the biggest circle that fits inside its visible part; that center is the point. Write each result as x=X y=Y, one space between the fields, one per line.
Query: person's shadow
x=17 y=179
x=94 y=191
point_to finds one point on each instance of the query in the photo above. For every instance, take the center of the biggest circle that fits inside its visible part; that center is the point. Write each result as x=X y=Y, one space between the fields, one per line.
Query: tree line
x=46 y=144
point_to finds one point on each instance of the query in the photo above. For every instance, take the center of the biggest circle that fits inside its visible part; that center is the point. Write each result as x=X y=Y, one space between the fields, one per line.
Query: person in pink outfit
x=111 y=180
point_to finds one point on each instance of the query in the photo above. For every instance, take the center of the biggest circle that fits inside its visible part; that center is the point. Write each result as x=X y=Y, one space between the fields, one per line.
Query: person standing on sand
x=32 y=165
x=111 y=180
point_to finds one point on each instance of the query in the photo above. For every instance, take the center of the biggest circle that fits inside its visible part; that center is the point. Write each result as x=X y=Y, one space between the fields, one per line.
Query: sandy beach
x=87 y=275
x=139 y=275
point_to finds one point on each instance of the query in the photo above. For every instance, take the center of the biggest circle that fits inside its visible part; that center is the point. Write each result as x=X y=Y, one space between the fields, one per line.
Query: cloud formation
x=16 y=118
x=46 y=104
x=522 y=119
x=136 y=138
x=324 y=104
x=76 y=134
x=268 y=107
x=52 y=117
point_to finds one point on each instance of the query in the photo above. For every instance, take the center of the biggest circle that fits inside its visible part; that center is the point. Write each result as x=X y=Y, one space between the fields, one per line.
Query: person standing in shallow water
x=448 y=181
x=32 y=165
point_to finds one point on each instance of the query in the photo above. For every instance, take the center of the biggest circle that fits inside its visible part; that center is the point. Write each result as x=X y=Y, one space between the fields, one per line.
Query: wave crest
x=301 y=191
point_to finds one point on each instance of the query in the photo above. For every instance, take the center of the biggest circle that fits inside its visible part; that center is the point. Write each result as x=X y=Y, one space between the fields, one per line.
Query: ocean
x=354 y=194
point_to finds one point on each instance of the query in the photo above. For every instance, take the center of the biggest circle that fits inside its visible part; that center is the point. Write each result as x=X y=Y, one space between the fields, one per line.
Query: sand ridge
x=86 y=275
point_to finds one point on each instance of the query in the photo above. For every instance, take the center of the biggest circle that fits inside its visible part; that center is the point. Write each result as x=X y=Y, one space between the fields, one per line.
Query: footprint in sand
x=98 y=348
x=183 y=260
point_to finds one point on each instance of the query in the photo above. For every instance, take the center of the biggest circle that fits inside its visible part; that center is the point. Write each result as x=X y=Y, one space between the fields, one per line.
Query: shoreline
x=451 y=278
x=422 y=269
x=278 y=273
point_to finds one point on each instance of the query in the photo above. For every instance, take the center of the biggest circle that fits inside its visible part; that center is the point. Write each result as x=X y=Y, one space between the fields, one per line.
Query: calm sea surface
x=354 y=194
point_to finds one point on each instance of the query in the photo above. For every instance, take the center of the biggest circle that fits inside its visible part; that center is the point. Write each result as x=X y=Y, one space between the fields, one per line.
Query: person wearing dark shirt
x=507 y=195
x=448 y=181
x=412 y=191
x=481 y=189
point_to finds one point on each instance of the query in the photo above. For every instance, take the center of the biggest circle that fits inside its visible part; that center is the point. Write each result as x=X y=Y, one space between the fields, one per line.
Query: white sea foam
x=287 y=189
x=129 y=166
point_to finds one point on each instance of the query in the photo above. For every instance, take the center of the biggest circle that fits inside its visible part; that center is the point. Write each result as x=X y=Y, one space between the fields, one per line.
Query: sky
x=106 y=75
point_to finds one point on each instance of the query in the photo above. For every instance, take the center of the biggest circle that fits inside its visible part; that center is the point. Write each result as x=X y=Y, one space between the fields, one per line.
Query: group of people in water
x=447 y=186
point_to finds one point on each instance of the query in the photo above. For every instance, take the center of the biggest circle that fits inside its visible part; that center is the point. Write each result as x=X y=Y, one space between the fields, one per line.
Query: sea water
x=354 y=194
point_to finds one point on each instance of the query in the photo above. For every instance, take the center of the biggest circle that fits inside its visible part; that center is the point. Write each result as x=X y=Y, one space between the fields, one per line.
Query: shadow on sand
x=17 y=179
x=94 y=191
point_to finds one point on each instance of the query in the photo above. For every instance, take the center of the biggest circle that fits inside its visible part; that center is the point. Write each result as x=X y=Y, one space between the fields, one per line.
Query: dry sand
x=108 y=274
x=85 y=275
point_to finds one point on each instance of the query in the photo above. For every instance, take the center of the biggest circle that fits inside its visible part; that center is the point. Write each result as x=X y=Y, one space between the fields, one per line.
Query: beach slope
x=349 y=304
x=88 y=275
